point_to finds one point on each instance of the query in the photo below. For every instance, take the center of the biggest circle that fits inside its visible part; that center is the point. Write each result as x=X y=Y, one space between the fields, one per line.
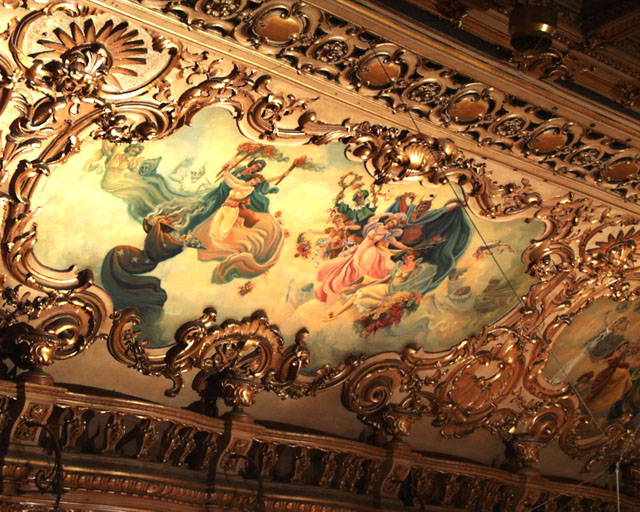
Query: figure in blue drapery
x=440 y=236
x=230 y=224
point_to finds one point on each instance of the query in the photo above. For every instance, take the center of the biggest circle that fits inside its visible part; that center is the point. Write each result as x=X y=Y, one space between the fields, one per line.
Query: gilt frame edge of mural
x=581 y=160
x=69 y=303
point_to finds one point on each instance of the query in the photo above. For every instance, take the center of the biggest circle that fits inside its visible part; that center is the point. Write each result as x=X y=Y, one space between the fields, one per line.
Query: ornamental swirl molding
x=66 y=92
x=315 y=41
x=55 y=315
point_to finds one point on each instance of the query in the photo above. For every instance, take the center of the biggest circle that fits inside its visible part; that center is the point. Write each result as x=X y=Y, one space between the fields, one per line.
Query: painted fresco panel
x=207 y=217
x=599 y=354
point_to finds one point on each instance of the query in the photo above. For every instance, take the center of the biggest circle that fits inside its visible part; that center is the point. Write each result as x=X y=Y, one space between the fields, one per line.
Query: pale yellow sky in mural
x=100 y=222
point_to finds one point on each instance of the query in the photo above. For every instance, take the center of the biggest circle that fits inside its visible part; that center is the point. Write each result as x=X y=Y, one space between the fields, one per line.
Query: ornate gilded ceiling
x=224 y=183
x=418 y=76
x=594 y=51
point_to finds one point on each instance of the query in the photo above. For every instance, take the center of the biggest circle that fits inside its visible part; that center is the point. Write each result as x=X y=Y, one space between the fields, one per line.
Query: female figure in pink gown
x=372 y=257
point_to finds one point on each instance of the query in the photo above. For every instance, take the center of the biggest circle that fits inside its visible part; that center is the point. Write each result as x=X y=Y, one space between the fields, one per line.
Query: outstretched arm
x=399 y=244
x=607 y=320
x=276 y=178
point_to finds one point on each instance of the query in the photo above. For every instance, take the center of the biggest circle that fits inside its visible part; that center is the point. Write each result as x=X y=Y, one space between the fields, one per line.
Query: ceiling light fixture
x=532 y=27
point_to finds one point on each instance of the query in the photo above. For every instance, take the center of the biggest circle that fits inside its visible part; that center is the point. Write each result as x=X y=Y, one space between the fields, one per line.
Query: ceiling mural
x=207 y=217
x=598 y=353
x=220 y=222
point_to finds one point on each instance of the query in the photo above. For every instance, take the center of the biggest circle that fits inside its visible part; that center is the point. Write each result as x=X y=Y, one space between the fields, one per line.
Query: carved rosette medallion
x=586 y=156
x=331 y=50
x=509 y=126
x=220 y=8
x=425 y=92
x=87 y=53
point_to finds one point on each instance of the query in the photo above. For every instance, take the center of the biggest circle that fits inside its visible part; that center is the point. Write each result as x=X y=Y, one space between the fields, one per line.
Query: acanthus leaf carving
x=238 y=359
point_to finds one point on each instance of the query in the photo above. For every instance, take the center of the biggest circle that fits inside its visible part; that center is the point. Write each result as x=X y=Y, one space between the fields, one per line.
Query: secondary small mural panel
x=209 y=218
x=599 y=353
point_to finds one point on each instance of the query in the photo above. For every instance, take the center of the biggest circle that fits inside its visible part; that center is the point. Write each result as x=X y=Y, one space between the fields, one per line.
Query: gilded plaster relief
x=424 y=81
x=335 y=254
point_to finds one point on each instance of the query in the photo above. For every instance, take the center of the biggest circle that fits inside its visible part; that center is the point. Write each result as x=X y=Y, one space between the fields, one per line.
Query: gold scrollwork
x=490 y=381
x=383 y=67
x=470 y=106
x=277 y=25
x=80 y=58
x=317 y=42
x=75 y=71
x=551 y=64
x=552 y=138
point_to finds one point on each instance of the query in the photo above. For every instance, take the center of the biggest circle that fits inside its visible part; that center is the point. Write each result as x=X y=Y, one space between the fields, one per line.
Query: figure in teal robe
x=169 y=229
x=187 y=215
x=440 y=236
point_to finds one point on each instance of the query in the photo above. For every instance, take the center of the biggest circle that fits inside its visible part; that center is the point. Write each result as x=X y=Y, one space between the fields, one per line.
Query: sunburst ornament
x=618 y=251
x=92 y=57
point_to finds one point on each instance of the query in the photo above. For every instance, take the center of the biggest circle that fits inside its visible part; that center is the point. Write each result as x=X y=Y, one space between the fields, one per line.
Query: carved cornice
x=314 y=470
x=587 y=50
x=428 y=89
x=619 y=21
x=628 y=94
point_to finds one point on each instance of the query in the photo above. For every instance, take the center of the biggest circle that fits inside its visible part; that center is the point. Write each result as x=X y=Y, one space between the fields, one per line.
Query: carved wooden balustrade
x=125 y=454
